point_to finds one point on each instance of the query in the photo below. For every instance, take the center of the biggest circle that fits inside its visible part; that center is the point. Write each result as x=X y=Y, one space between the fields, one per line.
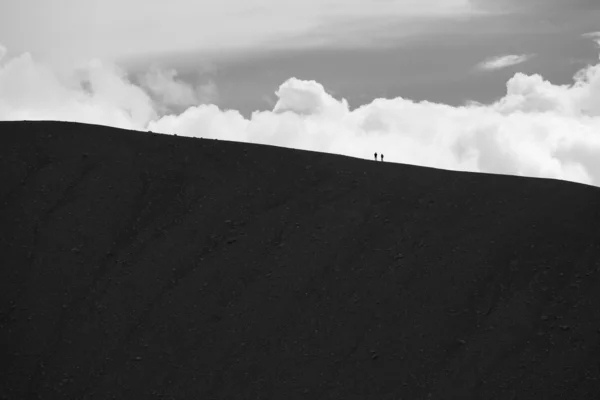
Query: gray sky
x=500 y=86
x=358 y=49
x=112 y=28
x=413 y=52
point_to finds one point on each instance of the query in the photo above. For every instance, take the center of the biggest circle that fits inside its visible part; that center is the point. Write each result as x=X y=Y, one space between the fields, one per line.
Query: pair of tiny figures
x=376 y=157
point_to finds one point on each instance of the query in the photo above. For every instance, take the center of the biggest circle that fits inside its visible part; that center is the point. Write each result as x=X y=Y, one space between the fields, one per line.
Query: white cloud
x=173 y=94
x=306 y=98
x=501 y=62
x=536 y=129
x=94 y=92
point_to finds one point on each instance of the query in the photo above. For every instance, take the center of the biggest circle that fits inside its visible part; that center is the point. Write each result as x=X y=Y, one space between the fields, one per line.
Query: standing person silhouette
x=382 y=157
x=375 y=156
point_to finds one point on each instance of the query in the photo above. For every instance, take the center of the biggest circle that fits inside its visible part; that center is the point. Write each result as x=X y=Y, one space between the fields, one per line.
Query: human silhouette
x=375 y=156
x=382 y=157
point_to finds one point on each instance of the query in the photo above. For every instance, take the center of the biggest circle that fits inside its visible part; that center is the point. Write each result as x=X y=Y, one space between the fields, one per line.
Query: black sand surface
x=140 y=266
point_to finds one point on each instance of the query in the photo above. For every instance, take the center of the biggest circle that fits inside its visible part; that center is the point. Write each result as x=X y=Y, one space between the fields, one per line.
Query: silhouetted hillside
x=140 y=266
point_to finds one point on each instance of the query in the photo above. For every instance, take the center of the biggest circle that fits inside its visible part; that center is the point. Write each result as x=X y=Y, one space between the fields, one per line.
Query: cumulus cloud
x=94 y=93
x=307 y=98
x=171 y=94
x=501 y=62
x=536 y=129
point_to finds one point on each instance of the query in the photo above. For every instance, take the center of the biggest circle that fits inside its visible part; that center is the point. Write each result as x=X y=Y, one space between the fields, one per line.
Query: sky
x=498 y=86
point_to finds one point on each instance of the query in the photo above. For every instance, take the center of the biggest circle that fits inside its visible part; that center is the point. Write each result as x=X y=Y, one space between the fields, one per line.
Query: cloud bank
x=536 y=129
x=504 y=61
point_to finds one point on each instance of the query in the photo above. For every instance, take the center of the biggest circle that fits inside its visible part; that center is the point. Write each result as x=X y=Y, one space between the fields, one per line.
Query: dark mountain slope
x=149 y=266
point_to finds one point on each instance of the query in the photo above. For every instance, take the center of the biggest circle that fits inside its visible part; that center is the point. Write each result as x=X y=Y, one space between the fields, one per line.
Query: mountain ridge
x=139 y=264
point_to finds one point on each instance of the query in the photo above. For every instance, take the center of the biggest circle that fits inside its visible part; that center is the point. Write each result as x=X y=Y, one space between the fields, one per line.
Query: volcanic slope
x=137 y=265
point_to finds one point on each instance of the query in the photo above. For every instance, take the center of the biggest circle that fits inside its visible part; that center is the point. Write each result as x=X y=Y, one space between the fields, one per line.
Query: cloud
x=171 y=94
x=504 y=61
x=536 y=129
x=591 y=35
x=595 y=36
x=2 y=51
x=94 y=92
x=229 y=26
x=306 y=98
x=535 y=6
